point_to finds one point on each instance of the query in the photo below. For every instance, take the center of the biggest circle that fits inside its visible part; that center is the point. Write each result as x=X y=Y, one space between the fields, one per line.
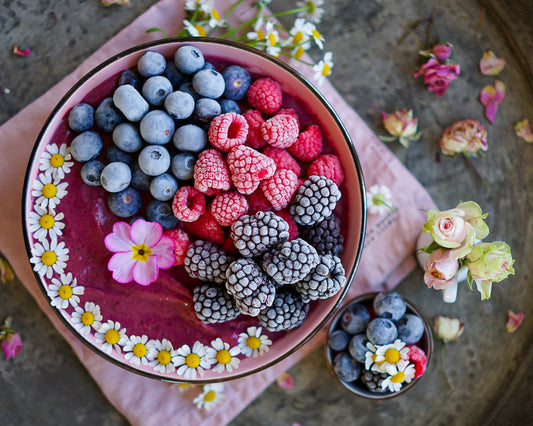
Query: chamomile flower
x=257 y=33
x=55 y=161
x=65 y=291
x=391 y=354
x=45 y=223
x=211 y=396
x=223 y=356
x=379 y=199
x=160 y=356
x=371 y=364
x=195 y=30
x=83 y=319
x=313 y=10
x=190 y=362
x=323 y=68
x=272 y=40
x=318 y=38
x=401 y=373
x=48 y=191
x=136 y=348
x=300 y=34
x=183 y=387
x=214 y=19
x=48 y=257
x=253 y=343
x=112 y=336
x=202 y=5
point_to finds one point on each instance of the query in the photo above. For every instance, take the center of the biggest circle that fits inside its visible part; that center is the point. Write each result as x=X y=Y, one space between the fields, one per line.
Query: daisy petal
x=121 y=264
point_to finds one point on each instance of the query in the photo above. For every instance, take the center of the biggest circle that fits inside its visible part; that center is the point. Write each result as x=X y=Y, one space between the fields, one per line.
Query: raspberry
x=257 y=202
x=248 y=168
x=255 y=121
x=328 y=166
x=291 y=112
x=228 y=207
x=280 y=131
x=181 y=243
x=206 y=228
x=419 y=358
x=308 y=146
x=280 y=188
x=188 y=204
x=211 y=172
x=293 y=226
x=283 y=159
x=229 y=247
x=265 y=95
x=227 y=130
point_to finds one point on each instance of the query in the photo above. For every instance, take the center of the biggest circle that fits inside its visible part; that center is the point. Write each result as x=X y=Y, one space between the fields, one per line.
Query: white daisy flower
x=215 y=20
x=222 y=356
x=194 y=30
x=211 y=396
x=401 y=373
x=318 y=38
x=49 y=257
x=136 y=349
x=272 y=40
x=55 y=161
x=370 y=359
x=83 y=319
x=257 y=33
x=379 y=199
x=111 y=336
x=65 y=291
x=45 y=223
x=48 y=191
x=313 y=10
x=300 y=33
x=190 y=362
x=202 y=5
x=391 y=354
x=252 y=343
x=160 y=356
x=323 y=68
x=182 y=387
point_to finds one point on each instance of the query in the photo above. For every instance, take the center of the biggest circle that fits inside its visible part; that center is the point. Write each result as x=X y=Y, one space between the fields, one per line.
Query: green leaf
x=416 y=136
x=387 y=138
x=430 y=248
x=469 y=280
x=157 y=30
x=404 y=142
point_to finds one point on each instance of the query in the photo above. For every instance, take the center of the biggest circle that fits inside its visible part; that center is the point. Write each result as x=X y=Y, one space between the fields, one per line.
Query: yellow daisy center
x=139 y=350
x=374 y=356
x=163 y=357
x=201 y=30
x=141 y=252
x=112 y=336
x=260 y=35
x=272 y=39
x=57 y=160
x=253 y=342
x=47 y=221
x=49 y=258
x=215 y=14
x=311 y=7
x=87 y=318
x=299 y=52
x=223 y=357
x=392 y=356
x=65 y=292
x=398 y=377
x=192 y=360
x=183 y=385
x=210 y=396
x=317 y=35
x=49 y=190
x=326 y=70
x=298 y=37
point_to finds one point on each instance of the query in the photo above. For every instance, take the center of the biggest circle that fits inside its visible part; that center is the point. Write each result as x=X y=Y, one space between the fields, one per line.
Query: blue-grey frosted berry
x=410 y=328
x=175 y=77
x=154 y=160
x=115 y=177
x=338 y=340
x=355 y=319
x=187 y=88
x=346 y=368
x=139 y=180
x=389 y=305
x=107 y=116
x=183 y=165
x=127 y=137
x=163 y=187
x=114 y=153
x=381 y=331
x=189 y=59
x=206 y=109
x=190 y=137
x=125 y=203
x=157 y=127
x=227 y=105
x=81 y=117
x=151 y=63
x=130 y=102
x=237 y=81
x=179 y=105
x=90 y=172
x=161 y=212
x=130 y=77
x=357 y=347
x=86 y=146
x=156 y=89
x=208 y=83
x=208 y=66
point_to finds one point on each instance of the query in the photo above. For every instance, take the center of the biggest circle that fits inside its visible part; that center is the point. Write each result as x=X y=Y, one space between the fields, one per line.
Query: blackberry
x=324 y=281
x=325 y=236
x=315 y=200
x=373 y=380
x=252 y=289
x=291 y=261
x=213 y=304
x=287 y=312
x=254 y=234
x=206 y=261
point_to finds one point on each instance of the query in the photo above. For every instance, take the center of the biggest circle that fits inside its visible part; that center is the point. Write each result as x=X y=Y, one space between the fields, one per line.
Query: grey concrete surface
x=490 y=369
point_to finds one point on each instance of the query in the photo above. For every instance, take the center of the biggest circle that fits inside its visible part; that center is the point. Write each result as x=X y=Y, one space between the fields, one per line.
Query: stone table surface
x=374 y=46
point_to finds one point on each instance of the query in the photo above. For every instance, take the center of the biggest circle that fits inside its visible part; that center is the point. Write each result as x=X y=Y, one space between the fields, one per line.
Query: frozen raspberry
x=206 y=228
x=255 y=121
x=189 y=204
x=210 y=172
x=293 y=226
x=248 y=168
x=265 y=95
x=308 y=146
x=283 y=159
x=419 y=358
x=280 y=188
x=328 y=166
x=291 y=112
x=227 y=130
x=280 y=131
x=257 y=202
x=181 y=243
x=228 y=207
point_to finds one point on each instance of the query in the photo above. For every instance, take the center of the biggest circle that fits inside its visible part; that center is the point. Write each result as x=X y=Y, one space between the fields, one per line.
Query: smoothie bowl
x=194 y=210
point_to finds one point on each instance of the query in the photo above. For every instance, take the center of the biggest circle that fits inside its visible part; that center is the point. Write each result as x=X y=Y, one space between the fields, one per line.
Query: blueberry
x=208 y=66
x=355 y=319
x=410 y=329
x=161 y=212
x=130 y=102
x=357 y=347
x=227 y=105
x=81 y=117
x=187 y=88
x=86 y=146
x=130 y=77
x=127 y=137
x=163 y=187
x=175 y=77
x=190 y=138
x=237 y=81
x=189 y=59
x=208 y=83
x=107 y=116
x=389 y=305
x=125 y=203
x=139 y=180
x=338 y=340
x=157 y=127
x=206 y=109
x=381 y=331
x=114 y=153
x=151 y=63
x=346 y=368
x=156 y=89
x=179 y=105
x=90 y=172
x=115 y=177
x=183 y=165
x=154 y=160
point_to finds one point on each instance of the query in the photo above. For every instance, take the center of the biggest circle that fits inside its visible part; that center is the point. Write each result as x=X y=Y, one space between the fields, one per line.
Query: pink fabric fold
x=387 y=256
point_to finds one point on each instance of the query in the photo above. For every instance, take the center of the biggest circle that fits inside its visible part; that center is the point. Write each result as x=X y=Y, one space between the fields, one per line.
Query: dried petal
x=118 y=2
x=523 y=130
x=448 y=329
x=285 y=381
x=491 y=97
x=6 y=273
x=514 y=320
x=19 y=52
x=490 y=64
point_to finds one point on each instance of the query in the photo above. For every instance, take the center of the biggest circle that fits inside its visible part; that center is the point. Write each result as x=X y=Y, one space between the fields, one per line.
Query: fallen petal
x=490 y=64
x=118 y=2
x=491 y=111
x=285 y=381
x=523 y=130
x=6 y=273
x=514 y=320
x=19 y=52
x=487 y=95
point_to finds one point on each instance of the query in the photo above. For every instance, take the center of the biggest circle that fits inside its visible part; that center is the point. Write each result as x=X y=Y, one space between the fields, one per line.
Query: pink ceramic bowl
x=162 y=310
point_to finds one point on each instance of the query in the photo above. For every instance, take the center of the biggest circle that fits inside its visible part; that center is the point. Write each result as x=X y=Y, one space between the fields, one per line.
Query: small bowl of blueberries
x=379 y=345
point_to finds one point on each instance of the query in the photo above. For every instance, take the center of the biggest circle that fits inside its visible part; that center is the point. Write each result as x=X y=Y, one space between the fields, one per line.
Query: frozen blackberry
x=287 y=312
x=315 y=200
x=213 y=304
x=325 y=236
x=373 y=380
x=206 y=261
x=324 y=281
x=291 y=261
x=254 y=234
x=252 y=289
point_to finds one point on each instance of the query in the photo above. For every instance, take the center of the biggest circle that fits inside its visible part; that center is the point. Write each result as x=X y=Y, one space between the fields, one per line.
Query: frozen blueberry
x=86 y=146
x=114 y=153
x=345 y=367
x=355 y=319
x=410 y=328
x=139 y=180
x=151 y=63
x=208 y=66
x=381 y=331
x=237 y=81
x=157 y=127
x=107 y=116
x=115 y=177
x=81 y=117
x=156 y=89
x=227 y=105
x=163 y=187
x=130 y=102
x=161 y=212
x=389 y=305
x=125 y=203
x=338 y=340
x=187 y=88
x=130 y=77
x=208 y=83
x=127 y=137
x=183 y=165
x=189 y=59
x=175 y=77
x=357 y=347
x=90 y=172
x=179 y=105
x=190 y=137
x=154 y=160
x=206 y=109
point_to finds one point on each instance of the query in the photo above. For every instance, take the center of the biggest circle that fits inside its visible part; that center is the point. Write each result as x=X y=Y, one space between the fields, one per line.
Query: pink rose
x=464 y=136
x=438 y=76
x=440 y=269
x=441 y=51
x=447 y=228
x=12 y=345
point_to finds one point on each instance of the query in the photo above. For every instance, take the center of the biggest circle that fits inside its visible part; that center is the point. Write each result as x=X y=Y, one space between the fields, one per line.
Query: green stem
x=232 y=8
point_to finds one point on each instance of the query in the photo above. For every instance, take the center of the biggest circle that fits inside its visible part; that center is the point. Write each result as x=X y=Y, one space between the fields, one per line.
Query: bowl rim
x=26 y=193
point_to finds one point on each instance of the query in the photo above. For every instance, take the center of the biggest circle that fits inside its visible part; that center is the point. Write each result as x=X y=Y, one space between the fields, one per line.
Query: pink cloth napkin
x=386 y=259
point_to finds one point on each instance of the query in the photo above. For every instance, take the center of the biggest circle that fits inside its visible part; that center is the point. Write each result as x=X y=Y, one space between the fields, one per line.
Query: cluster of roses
x=439 y=71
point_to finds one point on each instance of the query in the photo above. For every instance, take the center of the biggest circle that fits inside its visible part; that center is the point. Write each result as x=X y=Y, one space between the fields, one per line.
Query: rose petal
x=499 y=91
x=514 y=320
x=119 y=240
x=491 y=110
x=164 y=250
x=145 y=273
x=490 y=64
x=523 y=130
x=122 y=264
x=285 y=381
x=146 y=232
x=19 y=52
x=487 y=95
